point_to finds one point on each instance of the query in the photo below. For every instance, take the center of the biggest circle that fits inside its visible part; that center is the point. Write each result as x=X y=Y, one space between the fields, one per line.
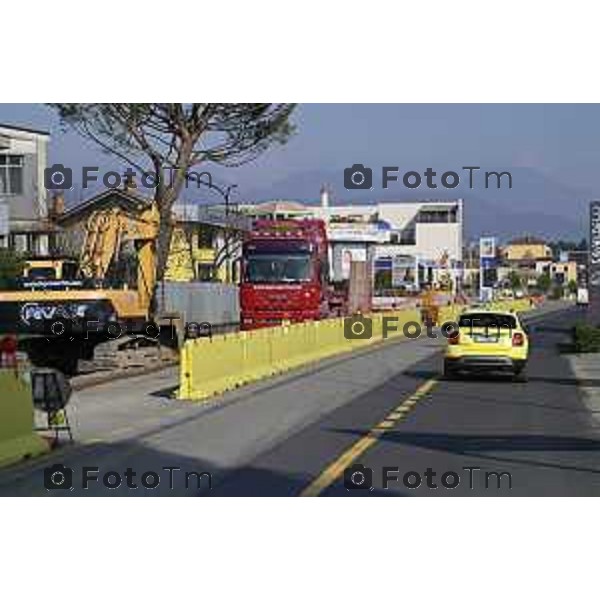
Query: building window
x=437 y=216
x=11 y=174
x=20 y=242
x=206 y=237
x=408 y=237
x=206 y=272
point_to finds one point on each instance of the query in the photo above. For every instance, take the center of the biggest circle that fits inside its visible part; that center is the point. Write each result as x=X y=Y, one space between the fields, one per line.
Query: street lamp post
x=225 y=195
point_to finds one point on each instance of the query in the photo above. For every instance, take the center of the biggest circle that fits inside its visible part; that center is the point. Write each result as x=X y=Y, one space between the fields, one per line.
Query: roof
x=281 y=206
x=32 y=226
x=216 y=215
x=526 y=240
x=127 y=196
x=20 y=128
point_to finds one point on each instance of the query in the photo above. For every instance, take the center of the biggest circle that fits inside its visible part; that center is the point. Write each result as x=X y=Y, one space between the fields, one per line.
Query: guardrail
x=213 y=365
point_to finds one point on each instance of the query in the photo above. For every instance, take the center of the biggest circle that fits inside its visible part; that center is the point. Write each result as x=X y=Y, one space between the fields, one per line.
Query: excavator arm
x=106 y=230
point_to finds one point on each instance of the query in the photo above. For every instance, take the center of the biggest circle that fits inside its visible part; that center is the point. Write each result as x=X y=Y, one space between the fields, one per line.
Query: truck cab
x=284 y=273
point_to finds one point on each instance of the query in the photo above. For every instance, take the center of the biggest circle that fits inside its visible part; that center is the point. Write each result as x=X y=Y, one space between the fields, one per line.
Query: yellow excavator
x=59 y=322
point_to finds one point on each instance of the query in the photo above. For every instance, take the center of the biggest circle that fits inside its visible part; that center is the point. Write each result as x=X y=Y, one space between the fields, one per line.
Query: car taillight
x=518 y=339
x=454 y=339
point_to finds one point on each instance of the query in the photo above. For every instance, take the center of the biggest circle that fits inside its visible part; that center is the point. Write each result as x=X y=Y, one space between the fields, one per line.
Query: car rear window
x=487 y=320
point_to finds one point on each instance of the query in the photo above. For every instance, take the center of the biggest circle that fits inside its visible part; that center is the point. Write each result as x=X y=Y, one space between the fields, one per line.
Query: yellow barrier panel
x=211 y=366
x=17 y=438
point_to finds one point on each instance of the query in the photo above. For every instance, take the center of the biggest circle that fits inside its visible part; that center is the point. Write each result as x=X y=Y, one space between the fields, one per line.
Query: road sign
x=4 y=215
x=594 y=270
x=487 y=247
x=489 y=262
x=404 y=270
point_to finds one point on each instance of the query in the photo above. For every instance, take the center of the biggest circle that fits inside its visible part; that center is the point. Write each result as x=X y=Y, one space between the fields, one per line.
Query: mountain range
x=537 y=204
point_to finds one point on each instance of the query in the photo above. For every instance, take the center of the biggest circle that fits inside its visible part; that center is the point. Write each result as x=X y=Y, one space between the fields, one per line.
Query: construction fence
x=197 y=301
x=213 y=365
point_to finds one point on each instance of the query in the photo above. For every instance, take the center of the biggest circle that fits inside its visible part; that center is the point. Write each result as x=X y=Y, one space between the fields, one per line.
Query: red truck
x=285 y=274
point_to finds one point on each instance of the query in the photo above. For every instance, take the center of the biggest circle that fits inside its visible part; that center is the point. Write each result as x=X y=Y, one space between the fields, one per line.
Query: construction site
x=197 y=329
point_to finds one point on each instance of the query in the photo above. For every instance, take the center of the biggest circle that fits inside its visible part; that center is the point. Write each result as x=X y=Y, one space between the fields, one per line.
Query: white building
x=23 y=206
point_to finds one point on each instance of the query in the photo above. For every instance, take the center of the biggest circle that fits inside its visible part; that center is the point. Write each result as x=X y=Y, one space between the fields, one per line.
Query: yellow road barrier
x=213 y=365
x=17 y=438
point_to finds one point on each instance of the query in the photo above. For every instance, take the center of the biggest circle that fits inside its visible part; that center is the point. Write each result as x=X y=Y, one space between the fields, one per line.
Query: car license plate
x=485 y=339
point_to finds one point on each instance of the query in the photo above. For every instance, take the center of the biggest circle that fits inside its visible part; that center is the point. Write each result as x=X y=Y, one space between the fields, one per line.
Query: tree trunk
x=165 y=197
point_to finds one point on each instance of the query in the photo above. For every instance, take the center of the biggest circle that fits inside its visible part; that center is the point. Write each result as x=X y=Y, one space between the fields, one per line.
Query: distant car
x=519 y=294
x=487 y=341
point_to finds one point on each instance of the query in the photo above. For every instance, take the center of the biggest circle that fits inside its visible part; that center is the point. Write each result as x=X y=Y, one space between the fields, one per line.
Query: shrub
x=11 y=267
x=586 y=338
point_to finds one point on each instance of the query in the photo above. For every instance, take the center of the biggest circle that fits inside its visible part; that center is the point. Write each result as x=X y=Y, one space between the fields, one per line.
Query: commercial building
x=581 y=258
x=24 y=223
x=409 y=242
x=528 y=249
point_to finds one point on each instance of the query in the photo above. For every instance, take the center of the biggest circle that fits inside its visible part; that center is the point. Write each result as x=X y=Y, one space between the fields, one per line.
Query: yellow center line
x=334 y=470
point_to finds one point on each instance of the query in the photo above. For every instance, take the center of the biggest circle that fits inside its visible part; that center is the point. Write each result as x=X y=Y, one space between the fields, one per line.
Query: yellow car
x=487 y=341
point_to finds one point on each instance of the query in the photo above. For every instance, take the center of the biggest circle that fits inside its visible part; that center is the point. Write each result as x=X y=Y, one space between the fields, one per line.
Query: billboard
x=3 y=218
x=487 y=247
x=488 y=274
x=404 y=271
x=357 y=232
x=344 y=255
x=594 y=264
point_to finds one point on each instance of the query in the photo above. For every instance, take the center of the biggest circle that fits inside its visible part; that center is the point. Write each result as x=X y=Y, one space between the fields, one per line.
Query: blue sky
x=560 y=144
x=559 y=139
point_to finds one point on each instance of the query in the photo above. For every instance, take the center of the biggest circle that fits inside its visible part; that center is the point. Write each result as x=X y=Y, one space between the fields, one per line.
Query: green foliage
x=515 y=281
x=572 y=286
x=170 y=140
x=586 y=338
x=543 y=283
x=556 y=293
x=11 y=267
x=383 y=280
x=181 y=135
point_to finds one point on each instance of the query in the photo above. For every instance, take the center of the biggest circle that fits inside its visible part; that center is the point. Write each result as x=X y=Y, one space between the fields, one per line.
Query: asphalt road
x=476 y=436
x=386 y=408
